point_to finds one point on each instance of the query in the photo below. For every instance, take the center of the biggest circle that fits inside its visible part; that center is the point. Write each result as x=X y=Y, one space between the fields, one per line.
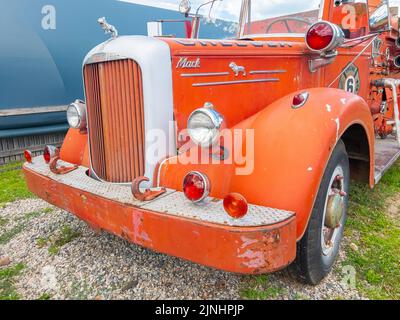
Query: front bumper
x=263 y=241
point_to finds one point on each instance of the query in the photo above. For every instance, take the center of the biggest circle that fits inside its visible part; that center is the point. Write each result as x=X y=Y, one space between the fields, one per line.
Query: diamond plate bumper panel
x=263 y=241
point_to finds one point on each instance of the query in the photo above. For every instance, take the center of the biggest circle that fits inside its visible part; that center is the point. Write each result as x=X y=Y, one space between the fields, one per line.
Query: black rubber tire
x=311 y=265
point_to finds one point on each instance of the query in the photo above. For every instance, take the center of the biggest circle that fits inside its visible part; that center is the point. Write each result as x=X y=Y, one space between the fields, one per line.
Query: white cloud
x=164 y=4
x=230 y=9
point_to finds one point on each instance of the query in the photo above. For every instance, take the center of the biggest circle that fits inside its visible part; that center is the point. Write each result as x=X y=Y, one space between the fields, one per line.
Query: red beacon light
x=324 y=37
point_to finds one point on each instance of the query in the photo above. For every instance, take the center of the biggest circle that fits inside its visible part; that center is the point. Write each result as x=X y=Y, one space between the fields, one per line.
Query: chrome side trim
x=272 y=35
x=318 y=63
x=33 y=110
x=267 y=71
x=206 y=84
x=210 y=74
x=159 y=170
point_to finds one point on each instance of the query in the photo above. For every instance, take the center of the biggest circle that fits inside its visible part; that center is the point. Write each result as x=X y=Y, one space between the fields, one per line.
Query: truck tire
x=319 y=247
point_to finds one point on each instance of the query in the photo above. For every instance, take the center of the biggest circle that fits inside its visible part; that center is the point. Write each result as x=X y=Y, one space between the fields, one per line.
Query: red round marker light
x=28 y=156
x=236 y=205
x=46 y=155
x=49 y=152
x=196 y=186
x=300 y=100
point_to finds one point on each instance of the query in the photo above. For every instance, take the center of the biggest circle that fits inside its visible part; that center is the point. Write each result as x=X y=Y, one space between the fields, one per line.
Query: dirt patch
x=393 y=207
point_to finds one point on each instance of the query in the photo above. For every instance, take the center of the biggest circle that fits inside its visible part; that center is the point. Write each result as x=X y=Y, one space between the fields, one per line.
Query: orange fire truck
x=234 y=153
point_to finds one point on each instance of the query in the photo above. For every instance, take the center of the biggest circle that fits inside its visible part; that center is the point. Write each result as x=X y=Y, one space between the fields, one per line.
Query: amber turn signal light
x=236 y=205
x=28 y=156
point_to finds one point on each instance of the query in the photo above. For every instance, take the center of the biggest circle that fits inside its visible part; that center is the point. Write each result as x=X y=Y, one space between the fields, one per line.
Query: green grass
x=45 y=296
x=36 y=214
x=67 y=234
x=377 y=236
x=6 y=236
x=260 y=288
x=23 y=222
x=42 y=242
x=12 y=184
x=3 y=222
x=7 y=280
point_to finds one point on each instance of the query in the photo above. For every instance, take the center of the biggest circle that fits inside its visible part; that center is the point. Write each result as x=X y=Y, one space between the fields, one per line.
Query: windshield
x=266 y=16
x=281 y=16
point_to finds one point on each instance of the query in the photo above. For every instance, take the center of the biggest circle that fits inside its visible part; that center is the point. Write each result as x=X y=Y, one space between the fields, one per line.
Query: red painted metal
x=247 y=250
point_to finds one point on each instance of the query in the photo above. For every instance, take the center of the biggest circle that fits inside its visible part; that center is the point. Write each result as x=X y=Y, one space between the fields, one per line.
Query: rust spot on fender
x=84 y=198
x=256 y=252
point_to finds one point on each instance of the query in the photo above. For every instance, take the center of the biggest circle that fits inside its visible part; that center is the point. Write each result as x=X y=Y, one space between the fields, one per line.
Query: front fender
x=291 y=150
x=75 y=148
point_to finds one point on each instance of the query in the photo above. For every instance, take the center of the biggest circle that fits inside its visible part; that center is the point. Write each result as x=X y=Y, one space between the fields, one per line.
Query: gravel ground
x=65 y=259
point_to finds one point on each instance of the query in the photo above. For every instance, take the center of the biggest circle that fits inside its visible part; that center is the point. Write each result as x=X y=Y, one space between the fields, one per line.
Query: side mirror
x=379 y=19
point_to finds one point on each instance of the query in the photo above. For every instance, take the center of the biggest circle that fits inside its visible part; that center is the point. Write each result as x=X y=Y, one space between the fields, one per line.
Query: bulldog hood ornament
x=108 y=28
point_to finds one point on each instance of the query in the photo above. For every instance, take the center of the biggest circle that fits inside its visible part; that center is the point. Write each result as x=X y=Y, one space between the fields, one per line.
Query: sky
x=230 y=9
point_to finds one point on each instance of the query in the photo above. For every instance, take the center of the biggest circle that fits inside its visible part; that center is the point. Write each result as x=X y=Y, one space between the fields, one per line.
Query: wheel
x=319 y=247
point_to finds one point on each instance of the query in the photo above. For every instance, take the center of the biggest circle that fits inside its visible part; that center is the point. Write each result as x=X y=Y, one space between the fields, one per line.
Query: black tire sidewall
x=313 y=265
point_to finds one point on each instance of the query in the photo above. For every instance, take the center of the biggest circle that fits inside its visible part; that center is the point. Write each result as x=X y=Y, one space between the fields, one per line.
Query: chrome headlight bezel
x=78 y=108
x=216 y=123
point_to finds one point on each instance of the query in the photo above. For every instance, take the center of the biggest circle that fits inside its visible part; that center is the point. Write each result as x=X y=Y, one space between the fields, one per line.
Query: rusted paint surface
x=223 y=247
x=60 y=169
x=148 y=194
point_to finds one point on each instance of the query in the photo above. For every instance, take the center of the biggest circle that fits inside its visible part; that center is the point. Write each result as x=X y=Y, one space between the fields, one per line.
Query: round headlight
x=204 y=126
x=76 y=115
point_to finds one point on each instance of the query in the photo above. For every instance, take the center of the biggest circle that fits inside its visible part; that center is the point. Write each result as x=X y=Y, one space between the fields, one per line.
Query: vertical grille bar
x=116 y=119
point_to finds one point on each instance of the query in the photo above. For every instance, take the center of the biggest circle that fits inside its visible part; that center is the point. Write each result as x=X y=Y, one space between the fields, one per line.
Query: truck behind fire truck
x=234 y=153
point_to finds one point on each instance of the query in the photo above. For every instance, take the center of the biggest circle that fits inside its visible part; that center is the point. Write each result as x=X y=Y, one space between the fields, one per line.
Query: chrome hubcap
x=333 y=211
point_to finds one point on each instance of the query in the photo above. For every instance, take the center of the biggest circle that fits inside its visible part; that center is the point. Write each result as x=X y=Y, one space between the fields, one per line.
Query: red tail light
x=300 y=100
x=236 y=205
x=196 y=186
x=28 y=156
x=49 y=153
x=324 y=36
